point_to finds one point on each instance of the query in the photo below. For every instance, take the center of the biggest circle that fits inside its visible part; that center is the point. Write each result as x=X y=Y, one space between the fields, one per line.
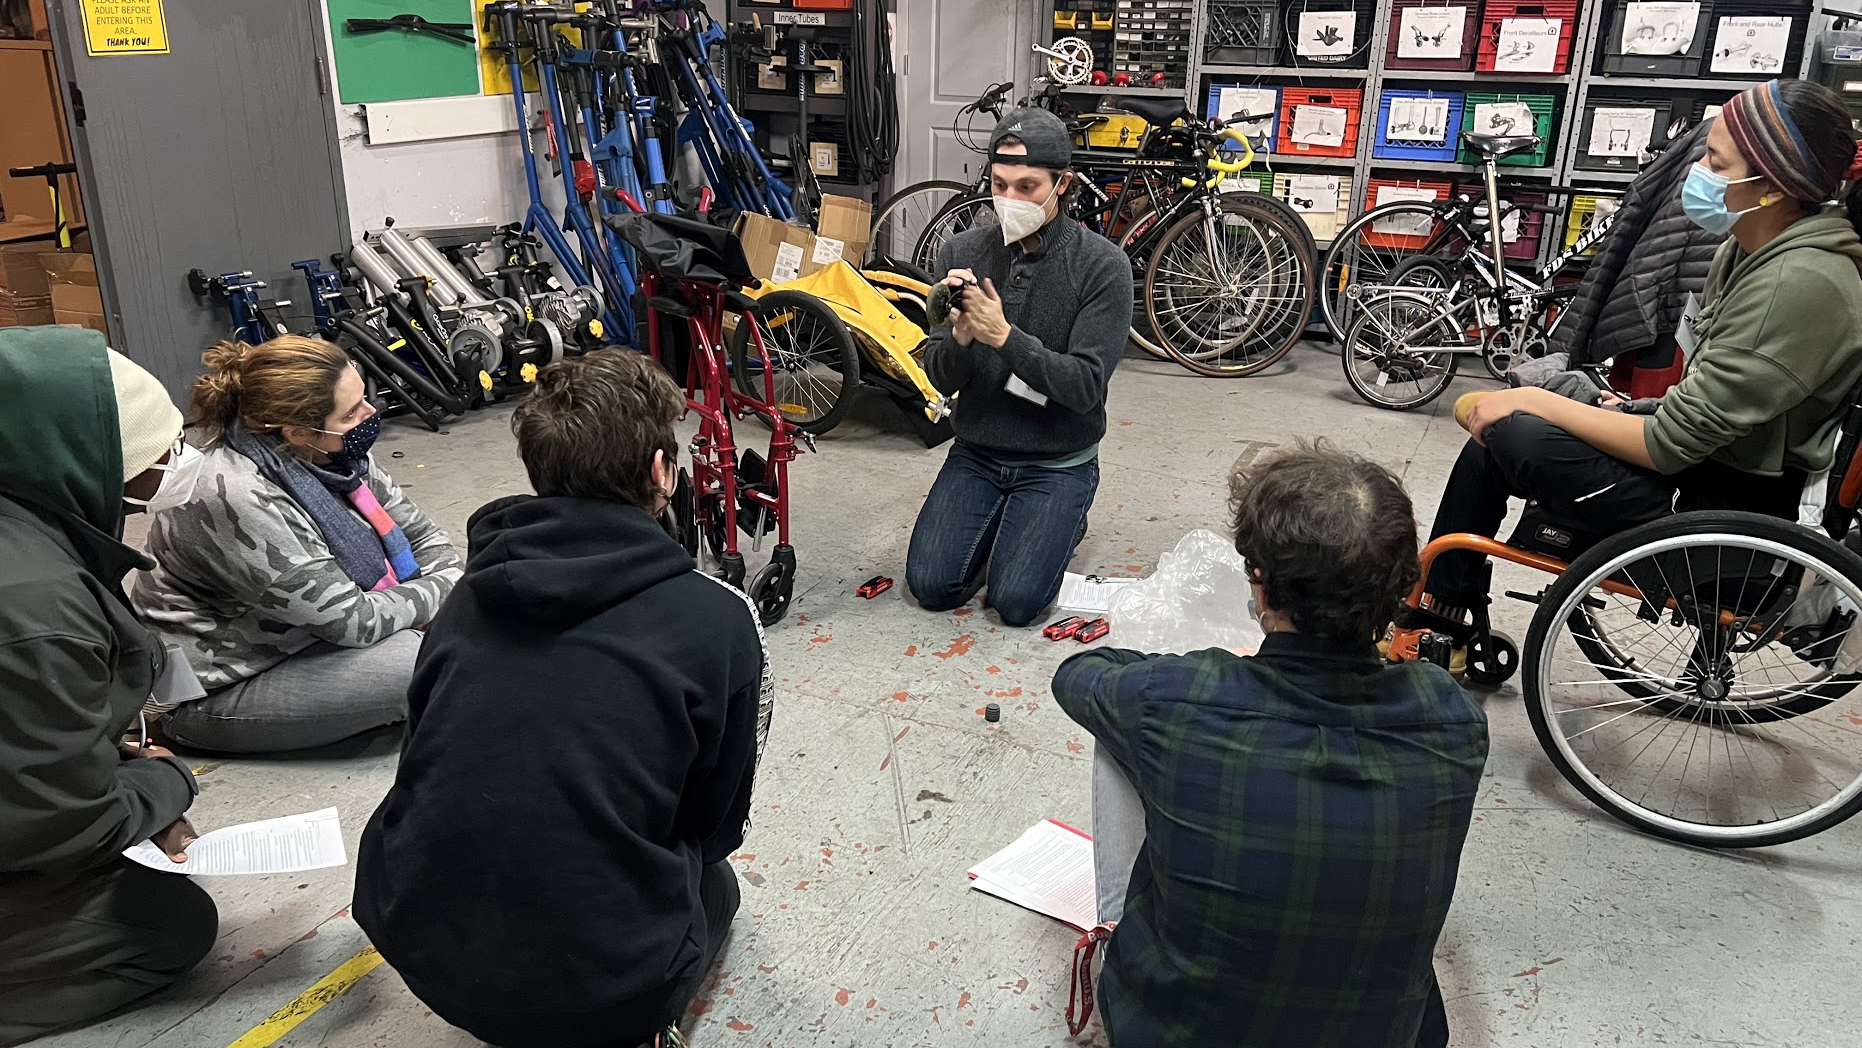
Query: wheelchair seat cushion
x=1543 y=530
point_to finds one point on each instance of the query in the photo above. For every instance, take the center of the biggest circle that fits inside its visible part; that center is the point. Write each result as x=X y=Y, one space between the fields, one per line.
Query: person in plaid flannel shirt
x=1304 y=807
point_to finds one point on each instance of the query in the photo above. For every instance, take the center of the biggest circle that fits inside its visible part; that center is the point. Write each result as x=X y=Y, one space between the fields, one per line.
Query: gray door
x=951 y=50
x=220 y=154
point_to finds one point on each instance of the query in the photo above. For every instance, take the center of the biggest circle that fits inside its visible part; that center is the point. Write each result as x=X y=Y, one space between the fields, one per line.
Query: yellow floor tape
x=325 y=990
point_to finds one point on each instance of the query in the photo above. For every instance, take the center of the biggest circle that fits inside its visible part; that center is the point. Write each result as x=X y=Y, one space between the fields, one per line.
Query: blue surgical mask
x=1703 y=198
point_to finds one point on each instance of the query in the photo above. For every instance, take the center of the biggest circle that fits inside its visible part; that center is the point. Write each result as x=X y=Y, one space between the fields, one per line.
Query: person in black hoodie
x=550 y=867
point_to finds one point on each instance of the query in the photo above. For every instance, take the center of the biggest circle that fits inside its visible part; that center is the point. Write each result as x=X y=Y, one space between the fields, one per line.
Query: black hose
x=872 y=92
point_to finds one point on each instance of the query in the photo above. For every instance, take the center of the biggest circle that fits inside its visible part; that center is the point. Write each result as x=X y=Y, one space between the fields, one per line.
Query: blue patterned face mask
x=1703 y=198
x=357 y=440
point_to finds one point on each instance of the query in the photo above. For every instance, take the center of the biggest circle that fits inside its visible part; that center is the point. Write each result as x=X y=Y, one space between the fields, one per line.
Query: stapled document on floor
x=1049 y=869
x=1090 y=593
x=311 y=841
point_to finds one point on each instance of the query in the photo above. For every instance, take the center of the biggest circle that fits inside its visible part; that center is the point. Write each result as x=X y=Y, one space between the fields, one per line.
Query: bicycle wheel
x=1138 y=248
x=814 y=364
x=1722 y=719
x=899 y=221
x=1229 y=293
x=975 y=211
x=1399 y=350
x=1373 y=244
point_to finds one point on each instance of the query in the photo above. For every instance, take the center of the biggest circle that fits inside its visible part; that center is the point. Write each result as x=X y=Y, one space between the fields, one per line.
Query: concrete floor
x=882 y=785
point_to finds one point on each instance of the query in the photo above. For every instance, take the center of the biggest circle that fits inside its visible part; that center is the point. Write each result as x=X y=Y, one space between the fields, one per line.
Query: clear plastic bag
x=1197 y=598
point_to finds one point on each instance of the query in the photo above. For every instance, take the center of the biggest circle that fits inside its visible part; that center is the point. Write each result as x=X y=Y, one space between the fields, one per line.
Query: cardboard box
x=22 y=272
x=76 y=298
x=18 y=310
x=781 y=252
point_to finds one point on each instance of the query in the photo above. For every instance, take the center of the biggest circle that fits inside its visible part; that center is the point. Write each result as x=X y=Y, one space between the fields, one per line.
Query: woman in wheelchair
x=1773 y=352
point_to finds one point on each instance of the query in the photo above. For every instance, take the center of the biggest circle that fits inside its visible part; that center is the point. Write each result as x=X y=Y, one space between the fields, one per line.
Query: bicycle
x=1407 y=324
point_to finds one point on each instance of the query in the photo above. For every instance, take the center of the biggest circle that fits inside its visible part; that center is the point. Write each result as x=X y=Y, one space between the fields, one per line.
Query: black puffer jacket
x=1652 y=258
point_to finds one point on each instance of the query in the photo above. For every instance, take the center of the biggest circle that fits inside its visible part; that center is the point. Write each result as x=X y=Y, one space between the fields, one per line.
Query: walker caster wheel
x=1492 y=659
x=197 y=282
x=731 y=569
x=770 y=592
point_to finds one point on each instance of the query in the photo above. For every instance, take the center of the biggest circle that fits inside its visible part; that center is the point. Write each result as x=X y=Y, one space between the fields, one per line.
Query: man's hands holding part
x=173 y=839
x=980 y=319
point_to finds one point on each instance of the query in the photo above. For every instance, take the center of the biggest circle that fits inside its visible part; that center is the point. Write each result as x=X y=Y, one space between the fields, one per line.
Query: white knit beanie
x=147 y=418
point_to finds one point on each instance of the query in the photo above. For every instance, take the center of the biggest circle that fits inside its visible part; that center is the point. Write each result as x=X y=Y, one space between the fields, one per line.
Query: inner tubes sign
x=124 y=27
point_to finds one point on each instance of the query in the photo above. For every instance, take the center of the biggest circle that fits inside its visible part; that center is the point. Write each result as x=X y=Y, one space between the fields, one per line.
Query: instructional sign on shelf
x=1620 y=131
x=1432 y=32
x=1527 y=45
x=1313 y=194
x=1418 y=120
x=1412 y=225
x=1659 y=28
x=1751 y=44
x=124 y=27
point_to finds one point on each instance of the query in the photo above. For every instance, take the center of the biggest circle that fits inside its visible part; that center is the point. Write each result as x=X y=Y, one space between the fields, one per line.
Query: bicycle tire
x=1344 y=258
x=960 y=215
x=1283 y=295
x=912 y=197
x=1369 y=327
x=840 y=355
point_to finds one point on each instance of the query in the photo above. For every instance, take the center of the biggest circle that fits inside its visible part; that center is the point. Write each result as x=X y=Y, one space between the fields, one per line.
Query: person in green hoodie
x=85 y=437
x=1774 y=352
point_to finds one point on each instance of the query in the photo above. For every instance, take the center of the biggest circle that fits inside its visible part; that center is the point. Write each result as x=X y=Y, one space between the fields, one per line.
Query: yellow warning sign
x=125 y=27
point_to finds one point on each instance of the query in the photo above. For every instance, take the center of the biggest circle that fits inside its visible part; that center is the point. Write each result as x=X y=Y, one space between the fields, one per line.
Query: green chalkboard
x=393 y=65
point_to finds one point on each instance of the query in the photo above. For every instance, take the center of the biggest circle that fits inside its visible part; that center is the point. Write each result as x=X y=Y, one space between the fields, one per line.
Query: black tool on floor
x=992 y=713
x=459 y=31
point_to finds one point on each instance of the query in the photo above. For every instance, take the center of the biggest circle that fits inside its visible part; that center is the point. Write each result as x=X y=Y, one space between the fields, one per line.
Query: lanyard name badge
x=177 y=684
x=1023 y=390
x=1684 y=332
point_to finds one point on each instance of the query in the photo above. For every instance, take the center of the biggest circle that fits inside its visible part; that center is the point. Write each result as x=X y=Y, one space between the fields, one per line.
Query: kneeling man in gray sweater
x=1040 y=312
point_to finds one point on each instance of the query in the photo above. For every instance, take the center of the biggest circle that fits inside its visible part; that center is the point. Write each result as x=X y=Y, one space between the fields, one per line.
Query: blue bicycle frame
x=717 y=133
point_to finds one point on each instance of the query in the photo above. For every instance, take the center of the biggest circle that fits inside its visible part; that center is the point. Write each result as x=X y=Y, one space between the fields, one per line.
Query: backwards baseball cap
x=1045 y=135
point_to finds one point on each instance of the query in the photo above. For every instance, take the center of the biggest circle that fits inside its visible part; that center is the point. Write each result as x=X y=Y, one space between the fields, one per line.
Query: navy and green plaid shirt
x=1304 y=814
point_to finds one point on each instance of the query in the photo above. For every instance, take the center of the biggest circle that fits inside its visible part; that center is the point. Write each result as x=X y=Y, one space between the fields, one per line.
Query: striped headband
x=1769 y=140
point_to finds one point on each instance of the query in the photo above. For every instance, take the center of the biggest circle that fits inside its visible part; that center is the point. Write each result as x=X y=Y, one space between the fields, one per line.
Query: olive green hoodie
x=75 y=664
x=1779 y=348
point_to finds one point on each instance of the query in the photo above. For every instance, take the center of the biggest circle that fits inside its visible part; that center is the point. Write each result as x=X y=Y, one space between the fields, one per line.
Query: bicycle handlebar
x=1223 y=168
x=43 y=171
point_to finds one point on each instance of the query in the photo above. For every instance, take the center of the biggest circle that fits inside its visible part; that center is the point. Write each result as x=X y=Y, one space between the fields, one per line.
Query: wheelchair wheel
x=814 y=362
x=1400 y=350
x=1686 y=676
x=1493 y=658
x=771 y=591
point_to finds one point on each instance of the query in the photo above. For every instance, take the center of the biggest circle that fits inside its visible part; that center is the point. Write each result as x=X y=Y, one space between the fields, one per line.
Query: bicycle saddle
x=1158 y=111
x=1497 y=146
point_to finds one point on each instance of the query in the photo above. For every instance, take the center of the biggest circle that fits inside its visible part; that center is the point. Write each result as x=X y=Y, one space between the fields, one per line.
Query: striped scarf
x=400 y=560
x=1768 y=138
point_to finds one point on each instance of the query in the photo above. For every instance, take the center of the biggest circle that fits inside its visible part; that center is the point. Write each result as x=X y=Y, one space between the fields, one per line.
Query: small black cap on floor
x=992 y=713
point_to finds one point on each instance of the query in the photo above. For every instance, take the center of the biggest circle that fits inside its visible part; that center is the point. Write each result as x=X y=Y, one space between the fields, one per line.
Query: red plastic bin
x=1399 y=241
x=1350 y=99
x=1496 y=12
x=1470 y=35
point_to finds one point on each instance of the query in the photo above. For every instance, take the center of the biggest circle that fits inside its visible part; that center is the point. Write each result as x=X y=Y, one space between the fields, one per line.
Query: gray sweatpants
x=321 y=695
x=84 y=949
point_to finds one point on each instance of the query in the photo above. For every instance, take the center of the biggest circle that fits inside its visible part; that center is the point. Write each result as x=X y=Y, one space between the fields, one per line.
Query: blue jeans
x=1021 y=522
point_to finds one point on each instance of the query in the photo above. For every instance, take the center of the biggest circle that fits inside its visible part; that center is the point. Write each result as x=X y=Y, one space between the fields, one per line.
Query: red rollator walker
x=690 y=271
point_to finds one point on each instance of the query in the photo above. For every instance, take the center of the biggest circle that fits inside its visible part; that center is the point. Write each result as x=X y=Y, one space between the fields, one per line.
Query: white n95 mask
x=179 y=475
x=1021 y=219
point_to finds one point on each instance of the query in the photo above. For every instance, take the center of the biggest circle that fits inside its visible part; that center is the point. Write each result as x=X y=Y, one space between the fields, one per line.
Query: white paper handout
x=1418 y=120
x=1049 y=869
x=1231 y=102
x=1527 y=45
x=1431 y=32
x=1327 y=34
x=1659 y=28
x=1319 y=125
x=1313 y=194
x=1751 y=44
x=1088 y=593
x=311 y=841
x=1620 y=131
x=1504 y=118
x=1512 y=223
x=1417 y=225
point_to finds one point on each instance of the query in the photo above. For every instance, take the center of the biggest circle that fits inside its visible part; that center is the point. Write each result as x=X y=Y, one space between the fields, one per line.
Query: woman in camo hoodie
x=297 y=578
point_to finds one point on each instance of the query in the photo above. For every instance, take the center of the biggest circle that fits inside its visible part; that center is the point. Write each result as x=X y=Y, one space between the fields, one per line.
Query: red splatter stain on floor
x=980 y=711
x=963 y=613
x=998 y=669
x=911 y=651
x=801 y=886
x=1075 y=747
x=961 y=646
x=1012 y=693
x=829 y=852
x=843 y=996
x=258 y=955
x=701 y=1005
x=887 y=763
x=1126 y=422
x=744 y=857
x=765 y=968
x=1499 y=800
x=933 y=945
x=1131 y=549
x=901 y=733
x=1135 y=569
x=900 y=696
x=964 y=1001
x=821 y=639
x=1021 y=985
x=1855 y=718
x=871 y=1001
x=740 y=1026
